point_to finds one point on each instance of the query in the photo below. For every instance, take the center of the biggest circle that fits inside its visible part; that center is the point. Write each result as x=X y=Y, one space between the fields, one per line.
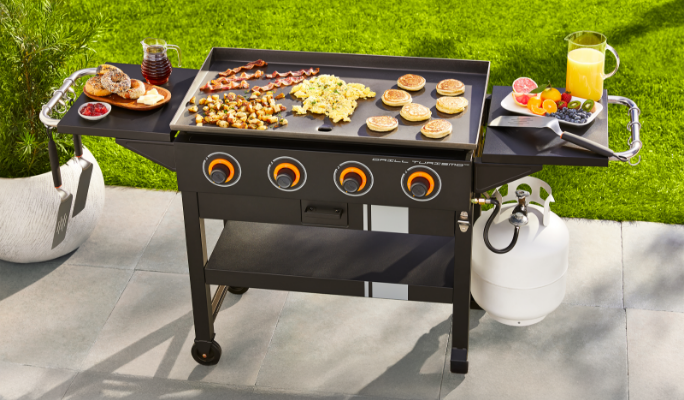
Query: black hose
x=486 y=231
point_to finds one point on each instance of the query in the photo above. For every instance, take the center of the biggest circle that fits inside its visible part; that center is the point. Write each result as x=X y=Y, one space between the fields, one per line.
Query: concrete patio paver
x=129 y=219
x=576 y=352
x=150 y=332
x=653 y=255
x=28 y=383
x=656 y=355
x=595 y=263
x=92 y=385
x=52 y=319
x=358 y=346
x=166 y=251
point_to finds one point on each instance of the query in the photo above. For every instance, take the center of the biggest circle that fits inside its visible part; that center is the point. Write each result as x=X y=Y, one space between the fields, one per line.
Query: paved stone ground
x=113 y=320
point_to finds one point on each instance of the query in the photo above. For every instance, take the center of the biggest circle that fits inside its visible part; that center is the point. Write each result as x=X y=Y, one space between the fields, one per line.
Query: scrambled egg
x=329 y=95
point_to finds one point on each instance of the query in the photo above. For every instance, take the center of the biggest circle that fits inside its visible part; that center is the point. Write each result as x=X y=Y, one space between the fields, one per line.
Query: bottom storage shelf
x=333 y=261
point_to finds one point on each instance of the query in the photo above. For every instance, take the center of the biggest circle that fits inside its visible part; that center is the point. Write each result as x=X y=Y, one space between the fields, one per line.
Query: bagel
x=415 y=112
x=94 y=87
x=450 y=87
x=396 y=98
x=104 y=68
x=437 y=128
x=452 y=105
x=116 y=81
x=137 y=89
x=383 y=123
x=411 y=82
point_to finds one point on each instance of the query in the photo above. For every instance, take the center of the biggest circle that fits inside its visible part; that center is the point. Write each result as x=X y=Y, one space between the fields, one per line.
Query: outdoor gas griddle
x=381 y=241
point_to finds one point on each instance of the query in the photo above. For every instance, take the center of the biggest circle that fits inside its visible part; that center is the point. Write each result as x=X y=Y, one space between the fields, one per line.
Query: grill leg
x=205 y=351
x=461 y=300
x=235 y=289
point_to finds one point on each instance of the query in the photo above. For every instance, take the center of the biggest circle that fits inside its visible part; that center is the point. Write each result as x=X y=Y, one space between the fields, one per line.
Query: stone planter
x=28 y=213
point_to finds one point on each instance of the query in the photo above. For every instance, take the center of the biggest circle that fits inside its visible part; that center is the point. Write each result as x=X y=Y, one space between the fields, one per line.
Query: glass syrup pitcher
x=586 y=59
x=156 y=67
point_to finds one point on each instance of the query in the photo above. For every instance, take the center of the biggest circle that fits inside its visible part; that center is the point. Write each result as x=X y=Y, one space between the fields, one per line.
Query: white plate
x=509 y=104
x=107 y=106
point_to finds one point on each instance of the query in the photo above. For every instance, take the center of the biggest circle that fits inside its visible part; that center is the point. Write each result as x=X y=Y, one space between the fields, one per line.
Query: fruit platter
x=528 y=98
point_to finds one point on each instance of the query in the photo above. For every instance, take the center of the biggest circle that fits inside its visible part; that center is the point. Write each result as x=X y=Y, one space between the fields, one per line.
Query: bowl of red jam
x=94 y=111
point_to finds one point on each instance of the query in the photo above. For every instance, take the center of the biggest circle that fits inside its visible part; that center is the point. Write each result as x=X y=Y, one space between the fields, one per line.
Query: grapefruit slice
x=524 y=85
x=522 y=99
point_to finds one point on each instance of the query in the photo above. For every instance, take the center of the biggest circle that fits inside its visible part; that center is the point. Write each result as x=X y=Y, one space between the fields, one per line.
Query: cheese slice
x=150 y=98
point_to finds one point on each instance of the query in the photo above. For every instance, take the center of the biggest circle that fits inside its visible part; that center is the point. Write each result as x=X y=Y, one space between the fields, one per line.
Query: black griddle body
x=318 y=239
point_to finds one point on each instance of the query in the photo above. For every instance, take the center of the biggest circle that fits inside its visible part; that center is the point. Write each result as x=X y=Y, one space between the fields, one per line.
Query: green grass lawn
x=519 y=38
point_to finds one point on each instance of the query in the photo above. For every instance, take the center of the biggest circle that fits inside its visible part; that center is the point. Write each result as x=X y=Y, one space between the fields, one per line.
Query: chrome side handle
x=634 y=126
x=59 y=94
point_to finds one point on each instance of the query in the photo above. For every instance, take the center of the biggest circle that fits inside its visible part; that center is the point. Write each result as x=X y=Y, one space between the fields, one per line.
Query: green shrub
x=40 y=44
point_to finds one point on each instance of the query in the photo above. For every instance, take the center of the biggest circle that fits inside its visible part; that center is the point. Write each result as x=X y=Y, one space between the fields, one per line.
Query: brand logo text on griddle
x=437 y=163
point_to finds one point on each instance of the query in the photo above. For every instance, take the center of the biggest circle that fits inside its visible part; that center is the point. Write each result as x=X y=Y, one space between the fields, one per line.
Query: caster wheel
x=207 y=359
x=237 y=290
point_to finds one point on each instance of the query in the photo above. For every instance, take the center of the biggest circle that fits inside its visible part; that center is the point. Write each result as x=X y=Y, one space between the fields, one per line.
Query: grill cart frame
x=425 y=256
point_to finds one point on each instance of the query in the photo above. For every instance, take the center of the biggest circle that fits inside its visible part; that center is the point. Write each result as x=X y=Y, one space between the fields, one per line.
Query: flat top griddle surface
x=377 y=72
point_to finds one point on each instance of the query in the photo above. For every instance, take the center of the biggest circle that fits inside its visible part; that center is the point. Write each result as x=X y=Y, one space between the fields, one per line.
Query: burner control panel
x=402 y=181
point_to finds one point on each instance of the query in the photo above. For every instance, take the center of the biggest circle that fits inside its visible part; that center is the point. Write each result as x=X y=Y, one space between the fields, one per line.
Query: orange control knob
x=221 y=171
x=286 y=175
x=353 y=179
x=420 y=184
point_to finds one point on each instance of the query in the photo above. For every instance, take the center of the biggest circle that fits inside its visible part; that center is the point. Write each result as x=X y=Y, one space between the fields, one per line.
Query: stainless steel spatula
x=65 y=198
x=84 y=179
x=551 y=123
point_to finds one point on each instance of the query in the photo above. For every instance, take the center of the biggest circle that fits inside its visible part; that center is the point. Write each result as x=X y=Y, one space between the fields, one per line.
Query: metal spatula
x=65 y=198
x=84 y=179
x=551 y=123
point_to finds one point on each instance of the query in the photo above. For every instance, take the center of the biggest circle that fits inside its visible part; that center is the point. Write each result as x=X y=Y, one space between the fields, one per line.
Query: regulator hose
x=497 y=208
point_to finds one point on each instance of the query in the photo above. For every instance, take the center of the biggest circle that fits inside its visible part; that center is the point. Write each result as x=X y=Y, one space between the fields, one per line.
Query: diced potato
x=193 y=109
x=192 y=101
x=202 y=101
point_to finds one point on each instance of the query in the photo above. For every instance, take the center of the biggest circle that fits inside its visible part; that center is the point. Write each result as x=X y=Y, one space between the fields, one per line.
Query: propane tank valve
x=518 y=219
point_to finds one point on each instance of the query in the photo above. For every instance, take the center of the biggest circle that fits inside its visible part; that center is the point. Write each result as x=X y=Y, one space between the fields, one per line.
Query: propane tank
x=520 y=256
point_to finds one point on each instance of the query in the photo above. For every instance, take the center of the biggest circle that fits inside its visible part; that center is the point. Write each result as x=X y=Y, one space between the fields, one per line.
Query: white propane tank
x=523 y=286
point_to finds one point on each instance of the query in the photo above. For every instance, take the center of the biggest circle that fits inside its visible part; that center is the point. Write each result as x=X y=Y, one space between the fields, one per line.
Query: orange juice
x=585 y=73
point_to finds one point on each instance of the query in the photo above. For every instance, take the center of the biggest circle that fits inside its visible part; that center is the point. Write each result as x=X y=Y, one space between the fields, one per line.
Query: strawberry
x=561 y=104
x=566 y=97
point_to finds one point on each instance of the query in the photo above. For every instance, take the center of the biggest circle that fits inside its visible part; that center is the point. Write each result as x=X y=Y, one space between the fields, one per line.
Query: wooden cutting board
x=119 y=101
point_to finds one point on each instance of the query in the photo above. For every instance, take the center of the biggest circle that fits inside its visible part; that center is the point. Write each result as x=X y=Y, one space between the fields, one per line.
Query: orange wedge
x=549 y=106
x=534 y=105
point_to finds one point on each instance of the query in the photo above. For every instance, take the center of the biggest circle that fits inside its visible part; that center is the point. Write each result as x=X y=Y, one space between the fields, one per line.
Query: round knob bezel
x=430 y=174
x=237 y=170
x=282 y=162
x=360 y=169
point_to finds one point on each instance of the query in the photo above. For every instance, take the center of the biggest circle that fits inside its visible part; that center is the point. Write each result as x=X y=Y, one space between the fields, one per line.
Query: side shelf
x=333 y=261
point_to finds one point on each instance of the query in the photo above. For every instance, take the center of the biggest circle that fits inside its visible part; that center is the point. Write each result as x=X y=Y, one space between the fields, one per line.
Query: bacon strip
x=306 y=72
x=232 y=85
x=279 y=83
x=257 y=63
x=227 y=82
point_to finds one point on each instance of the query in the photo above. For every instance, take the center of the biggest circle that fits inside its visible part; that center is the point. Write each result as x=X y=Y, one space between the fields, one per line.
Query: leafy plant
x=40 y=44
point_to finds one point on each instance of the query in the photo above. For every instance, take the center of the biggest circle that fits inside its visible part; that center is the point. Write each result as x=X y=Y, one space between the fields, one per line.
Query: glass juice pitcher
x=156 y=67
x=586 y=59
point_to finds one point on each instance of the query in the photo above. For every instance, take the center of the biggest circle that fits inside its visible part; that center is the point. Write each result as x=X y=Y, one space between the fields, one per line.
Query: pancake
x=94 y=87
x=396 y=98
x=415 y=112
x=437 y=128
x=411 y=82
x=450 y=87
x=383 y=123
x=452 y=105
